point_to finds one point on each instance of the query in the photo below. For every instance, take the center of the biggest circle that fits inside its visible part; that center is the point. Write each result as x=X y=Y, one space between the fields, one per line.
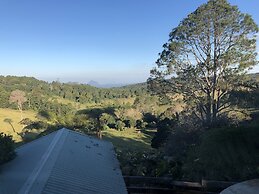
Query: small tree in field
x=9 y=121
x=206 y=58
x=18 y=97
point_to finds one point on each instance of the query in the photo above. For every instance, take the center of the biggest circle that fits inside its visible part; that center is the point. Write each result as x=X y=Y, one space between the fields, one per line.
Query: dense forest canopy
x=39 y=92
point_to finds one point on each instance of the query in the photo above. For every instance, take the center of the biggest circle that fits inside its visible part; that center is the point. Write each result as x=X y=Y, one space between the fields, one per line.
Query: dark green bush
x=139 y=163
x=6 y=148
x=230 y=153
x=164 y=130
x=119 y=125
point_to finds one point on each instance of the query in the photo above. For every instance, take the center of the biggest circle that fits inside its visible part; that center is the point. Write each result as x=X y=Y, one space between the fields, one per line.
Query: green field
x=15 y=116
x=130 y=139
x=104 y=103
x=127 y=139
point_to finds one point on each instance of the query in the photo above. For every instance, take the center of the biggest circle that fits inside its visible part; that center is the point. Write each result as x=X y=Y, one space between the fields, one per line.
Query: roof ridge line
x=33 y=176
x=89 y=136
x=37 y=139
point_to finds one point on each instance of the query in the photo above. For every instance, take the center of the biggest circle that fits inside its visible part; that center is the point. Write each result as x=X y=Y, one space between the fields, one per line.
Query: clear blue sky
x=109 y=41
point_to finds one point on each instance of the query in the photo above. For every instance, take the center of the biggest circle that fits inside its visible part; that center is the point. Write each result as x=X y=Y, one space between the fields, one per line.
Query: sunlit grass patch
x=15 y=117
x=129 y=139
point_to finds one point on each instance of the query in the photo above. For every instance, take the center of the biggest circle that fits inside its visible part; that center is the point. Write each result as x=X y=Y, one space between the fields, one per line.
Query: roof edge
x=58 y=139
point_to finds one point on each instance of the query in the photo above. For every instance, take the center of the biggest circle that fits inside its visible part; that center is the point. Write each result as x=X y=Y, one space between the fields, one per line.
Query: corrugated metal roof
x=61 y=163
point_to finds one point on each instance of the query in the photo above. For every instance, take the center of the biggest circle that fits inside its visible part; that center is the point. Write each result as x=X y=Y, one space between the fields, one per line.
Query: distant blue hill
x=98 y=85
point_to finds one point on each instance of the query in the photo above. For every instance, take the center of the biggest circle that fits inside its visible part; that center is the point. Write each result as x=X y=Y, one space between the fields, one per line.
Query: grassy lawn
x=132 y=149
x=129 y=139
x=103 y=103
x=16 y=117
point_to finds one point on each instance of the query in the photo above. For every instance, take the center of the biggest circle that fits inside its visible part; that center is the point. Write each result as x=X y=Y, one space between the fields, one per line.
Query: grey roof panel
x=14 y=173
x=71 y=163
x=91 y=165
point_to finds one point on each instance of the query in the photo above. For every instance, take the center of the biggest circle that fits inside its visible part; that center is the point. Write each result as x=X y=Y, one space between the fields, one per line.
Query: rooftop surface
x=63 y=162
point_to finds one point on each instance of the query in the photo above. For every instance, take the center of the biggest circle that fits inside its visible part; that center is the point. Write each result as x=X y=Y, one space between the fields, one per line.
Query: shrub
x=147 y=163
x=230 y=153
x=119 y=125
x=105 y=127
x=26 y=121
x=164 y=130
x=130 y=123
x=106 y=119
x=6 y=148
x=140 y=124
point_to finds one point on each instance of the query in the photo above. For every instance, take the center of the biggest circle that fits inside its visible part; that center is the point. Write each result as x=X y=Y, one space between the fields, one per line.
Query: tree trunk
x=21 y=114
x=12 y=127
x=20 y=109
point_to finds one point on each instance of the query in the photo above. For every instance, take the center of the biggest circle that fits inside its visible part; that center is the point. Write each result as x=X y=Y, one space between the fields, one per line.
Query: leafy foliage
x=39 y=93
x=226 y=154
x=165 y=128
x=206 y=58
x=119 y=125
x=136 y=163
x=18 y=96
x=7 y=148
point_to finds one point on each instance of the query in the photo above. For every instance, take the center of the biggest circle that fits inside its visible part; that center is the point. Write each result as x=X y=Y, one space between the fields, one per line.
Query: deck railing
x=139 y=184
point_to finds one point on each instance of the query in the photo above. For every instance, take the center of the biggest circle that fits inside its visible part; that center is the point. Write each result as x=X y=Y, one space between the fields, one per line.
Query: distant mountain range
x=143 y=84
x=98 y=85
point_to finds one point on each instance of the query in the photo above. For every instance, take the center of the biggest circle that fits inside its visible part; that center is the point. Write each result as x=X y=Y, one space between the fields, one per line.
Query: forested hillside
x=77 y=106
x=40 y=91
x=130 y=116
